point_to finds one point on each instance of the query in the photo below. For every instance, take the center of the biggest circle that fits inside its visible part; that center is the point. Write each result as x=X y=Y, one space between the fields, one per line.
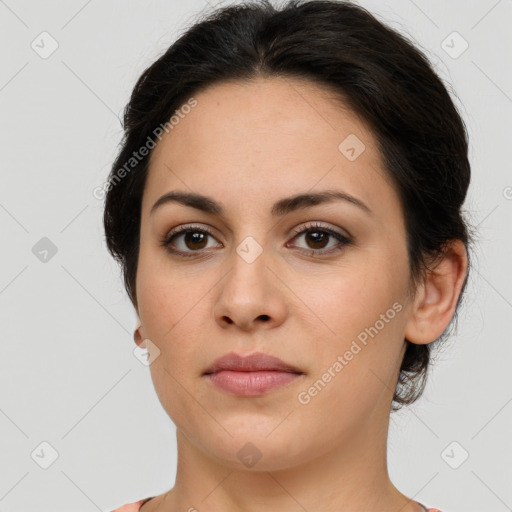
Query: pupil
x=194 y=238
x=316 y=236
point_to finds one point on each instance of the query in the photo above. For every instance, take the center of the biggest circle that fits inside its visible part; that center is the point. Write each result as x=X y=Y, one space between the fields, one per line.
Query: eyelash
x=343 y=241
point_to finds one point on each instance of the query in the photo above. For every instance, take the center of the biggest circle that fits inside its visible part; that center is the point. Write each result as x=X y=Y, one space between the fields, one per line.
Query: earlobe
x=437 y=299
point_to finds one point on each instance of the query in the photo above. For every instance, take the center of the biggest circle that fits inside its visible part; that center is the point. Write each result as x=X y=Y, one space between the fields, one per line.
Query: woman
x=286 y=209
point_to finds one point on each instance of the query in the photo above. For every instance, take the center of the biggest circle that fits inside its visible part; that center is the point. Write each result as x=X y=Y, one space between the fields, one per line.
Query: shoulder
x=135 y=507
x=131 y=507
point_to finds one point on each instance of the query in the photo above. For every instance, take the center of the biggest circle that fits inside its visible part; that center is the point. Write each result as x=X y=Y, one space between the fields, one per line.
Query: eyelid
x=343 y=240
x=297 y=230
x=187 y=227
x=316 y=224
x=200 y=226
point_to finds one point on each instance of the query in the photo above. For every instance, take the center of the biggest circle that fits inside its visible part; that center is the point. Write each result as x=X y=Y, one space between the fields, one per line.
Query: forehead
x=265 y=139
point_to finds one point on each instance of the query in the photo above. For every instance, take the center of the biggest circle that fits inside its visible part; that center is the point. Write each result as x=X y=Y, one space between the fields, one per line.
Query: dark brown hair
x=382 y=77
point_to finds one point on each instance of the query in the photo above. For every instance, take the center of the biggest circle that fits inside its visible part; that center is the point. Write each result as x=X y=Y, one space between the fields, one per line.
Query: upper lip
x=251 y=363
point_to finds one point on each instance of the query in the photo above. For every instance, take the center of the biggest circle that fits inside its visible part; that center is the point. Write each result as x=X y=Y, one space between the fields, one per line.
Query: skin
x=247 y=145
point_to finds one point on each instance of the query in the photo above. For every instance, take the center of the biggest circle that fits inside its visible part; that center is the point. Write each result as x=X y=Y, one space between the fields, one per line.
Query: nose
x=250 y=296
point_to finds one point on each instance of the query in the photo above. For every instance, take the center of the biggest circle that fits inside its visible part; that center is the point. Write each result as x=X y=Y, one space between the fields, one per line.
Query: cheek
x=173 y=308
x=360 y=312
x=161 y=294
x=168 y=311
x=348 y=300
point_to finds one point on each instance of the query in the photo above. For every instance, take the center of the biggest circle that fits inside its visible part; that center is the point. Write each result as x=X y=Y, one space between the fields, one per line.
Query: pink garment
x=132 y=507
x=135 y=507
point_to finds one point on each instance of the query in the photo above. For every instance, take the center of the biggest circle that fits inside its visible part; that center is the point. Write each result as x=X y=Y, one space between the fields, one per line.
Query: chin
x=266 y=448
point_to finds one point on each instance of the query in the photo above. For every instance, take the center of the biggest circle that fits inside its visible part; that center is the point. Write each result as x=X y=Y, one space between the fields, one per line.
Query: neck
x=351 y=477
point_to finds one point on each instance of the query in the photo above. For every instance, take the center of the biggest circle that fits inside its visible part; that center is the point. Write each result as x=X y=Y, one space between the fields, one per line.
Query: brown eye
x=195 y=239
x=187 y=240
x=317 y=238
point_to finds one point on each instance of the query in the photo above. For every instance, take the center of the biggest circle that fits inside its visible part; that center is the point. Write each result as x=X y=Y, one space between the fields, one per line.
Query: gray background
x=68 y=375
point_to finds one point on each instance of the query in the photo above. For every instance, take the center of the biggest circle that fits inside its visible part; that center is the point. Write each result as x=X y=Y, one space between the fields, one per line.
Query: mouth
x=253 y=375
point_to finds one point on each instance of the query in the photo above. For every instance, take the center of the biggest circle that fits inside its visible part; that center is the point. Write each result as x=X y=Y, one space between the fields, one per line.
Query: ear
x=436 y=299
x=138 y=335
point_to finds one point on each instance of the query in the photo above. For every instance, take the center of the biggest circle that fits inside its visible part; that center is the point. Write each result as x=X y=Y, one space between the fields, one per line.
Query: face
x=321 y=285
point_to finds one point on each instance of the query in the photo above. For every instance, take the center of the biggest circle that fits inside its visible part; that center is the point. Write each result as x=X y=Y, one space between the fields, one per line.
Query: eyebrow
x=280 y=208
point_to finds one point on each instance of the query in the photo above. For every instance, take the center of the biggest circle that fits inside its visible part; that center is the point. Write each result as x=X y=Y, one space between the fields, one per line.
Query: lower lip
x=250 y=383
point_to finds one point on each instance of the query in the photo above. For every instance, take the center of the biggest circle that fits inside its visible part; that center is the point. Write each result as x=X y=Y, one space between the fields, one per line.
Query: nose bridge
x=249 y=266
x=250 y=249
x=247 y=293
